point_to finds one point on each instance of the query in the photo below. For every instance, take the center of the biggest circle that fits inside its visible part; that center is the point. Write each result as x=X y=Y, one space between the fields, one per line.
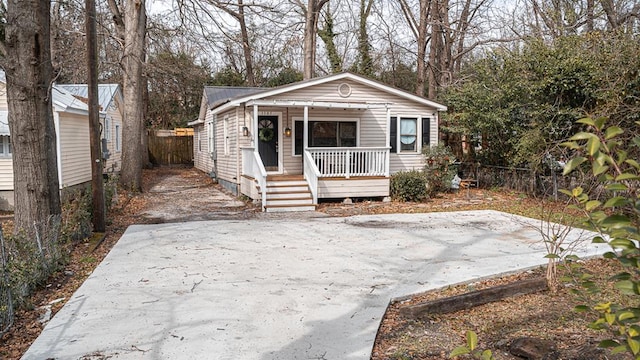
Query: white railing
x=311 y=174
x=350 y=161
x=252 y=166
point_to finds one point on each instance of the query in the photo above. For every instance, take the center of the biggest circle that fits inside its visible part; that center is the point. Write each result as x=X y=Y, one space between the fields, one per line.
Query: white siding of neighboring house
x=115 y=115
x=75 y=155
x=6 y=164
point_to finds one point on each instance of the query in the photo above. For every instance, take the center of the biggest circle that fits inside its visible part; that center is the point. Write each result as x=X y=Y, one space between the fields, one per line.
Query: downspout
x=388 y=142
x=56 y=124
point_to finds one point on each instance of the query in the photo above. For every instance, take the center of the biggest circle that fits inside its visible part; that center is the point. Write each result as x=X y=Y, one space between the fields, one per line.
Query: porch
x=327 y=173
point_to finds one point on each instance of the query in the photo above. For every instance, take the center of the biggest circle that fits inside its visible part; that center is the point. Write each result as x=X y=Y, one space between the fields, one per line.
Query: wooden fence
x=170 y=150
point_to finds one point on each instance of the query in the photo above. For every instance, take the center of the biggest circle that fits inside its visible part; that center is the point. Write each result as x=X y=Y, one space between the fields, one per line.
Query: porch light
x=287 y=131
x=245 y=131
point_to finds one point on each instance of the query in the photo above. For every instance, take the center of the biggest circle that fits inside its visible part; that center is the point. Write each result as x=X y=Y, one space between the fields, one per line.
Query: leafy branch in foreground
x=611 y=155
x=471 y=348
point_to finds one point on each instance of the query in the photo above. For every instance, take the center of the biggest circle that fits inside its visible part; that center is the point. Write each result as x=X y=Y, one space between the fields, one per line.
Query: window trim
x=400 y=135
x=320 y=119
x=118 y=137
x=225 y=135
x=211 y=140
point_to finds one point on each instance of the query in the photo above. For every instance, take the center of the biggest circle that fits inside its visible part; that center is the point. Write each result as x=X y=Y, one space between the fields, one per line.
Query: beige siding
x=343 y=188
x=227 y=155
x=115 y=115
x=6 y=173
x=3 y=96
x=249 y=188
x=202 y=157
x=75 y=155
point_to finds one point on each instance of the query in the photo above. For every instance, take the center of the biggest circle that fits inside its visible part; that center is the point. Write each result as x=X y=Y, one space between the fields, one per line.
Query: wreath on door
x=266 y=134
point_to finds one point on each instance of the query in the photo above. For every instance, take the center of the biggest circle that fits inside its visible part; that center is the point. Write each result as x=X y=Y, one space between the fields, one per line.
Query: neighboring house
x=71 y=120
x=111 y=114
x=337 y=136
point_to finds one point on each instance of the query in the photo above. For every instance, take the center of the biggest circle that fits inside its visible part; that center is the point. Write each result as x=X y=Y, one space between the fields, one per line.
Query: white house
x=337 y=136
x=70 y=115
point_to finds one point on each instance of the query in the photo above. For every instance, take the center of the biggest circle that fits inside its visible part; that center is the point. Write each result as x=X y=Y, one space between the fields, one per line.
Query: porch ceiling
x=321 y=104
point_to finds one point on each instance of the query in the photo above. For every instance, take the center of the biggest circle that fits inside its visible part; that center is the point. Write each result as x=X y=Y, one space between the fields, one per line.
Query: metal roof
x=106 y=92
x=218 y=95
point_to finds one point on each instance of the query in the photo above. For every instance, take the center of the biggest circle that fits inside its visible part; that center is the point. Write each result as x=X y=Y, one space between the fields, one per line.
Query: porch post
x=305 y=132
x=388 y=142
x=255 y=128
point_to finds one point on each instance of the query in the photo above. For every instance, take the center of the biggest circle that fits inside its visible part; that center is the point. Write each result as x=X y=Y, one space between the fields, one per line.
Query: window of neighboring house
x=106 y=131
x=225 y=135
x=211 y=140
x=326 y=134
x=118 y=138
x=199 y=141
x=5 y=146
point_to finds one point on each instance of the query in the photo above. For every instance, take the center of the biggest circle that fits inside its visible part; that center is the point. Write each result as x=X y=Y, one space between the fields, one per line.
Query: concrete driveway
x=276 y=288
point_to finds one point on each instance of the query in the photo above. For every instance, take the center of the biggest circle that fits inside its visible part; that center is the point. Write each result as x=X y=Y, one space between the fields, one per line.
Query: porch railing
x=351 y=161
x=252 y=166
x=311 y=174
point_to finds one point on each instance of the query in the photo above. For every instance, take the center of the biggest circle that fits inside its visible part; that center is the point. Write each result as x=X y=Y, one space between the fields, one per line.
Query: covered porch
x=325 y=153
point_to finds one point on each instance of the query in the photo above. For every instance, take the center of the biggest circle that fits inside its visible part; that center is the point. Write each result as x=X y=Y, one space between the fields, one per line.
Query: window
x=408 y=134
x=326 y=134
x=118 y=140
x=106 y=132
x=211 y=144
x=225 y=135
x=5 y=146
x=405 y=134
x=199 y=141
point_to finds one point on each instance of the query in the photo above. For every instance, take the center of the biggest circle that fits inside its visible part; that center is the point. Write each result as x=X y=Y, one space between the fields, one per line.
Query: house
x=71 y=119
x=339 y=136
x=111 y=104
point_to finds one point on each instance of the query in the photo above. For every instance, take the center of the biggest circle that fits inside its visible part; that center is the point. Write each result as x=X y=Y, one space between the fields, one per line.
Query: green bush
x=610 y=154
x=409 y=186
x=439 y=169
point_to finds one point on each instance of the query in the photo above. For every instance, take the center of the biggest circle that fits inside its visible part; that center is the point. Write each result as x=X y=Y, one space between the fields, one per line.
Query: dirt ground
x=186 y=194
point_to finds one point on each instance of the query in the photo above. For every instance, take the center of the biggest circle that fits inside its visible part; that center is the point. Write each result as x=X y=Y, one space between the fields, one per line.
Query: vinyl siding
x=75 y=152
x=115 y=114
x=202 y=157
x=227 y=160
x=342 y=188
x=6 y=174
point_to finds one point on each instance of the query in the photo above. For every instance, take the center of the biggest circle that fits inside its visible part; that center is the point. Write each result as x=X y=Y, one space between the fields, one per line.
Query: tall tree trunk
x=310 y=31
x=27 y=64
x=422 y=46
x=327 y=36
x=434 y=48
x=135 y=22
x=246 y=47
x=97 y=185
x=365 y=66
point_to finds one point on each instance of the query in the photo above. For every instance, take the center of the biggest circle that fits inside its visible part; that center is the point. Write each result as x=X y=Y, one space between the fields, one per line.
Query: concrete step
x=289 y=208
x=289 y=195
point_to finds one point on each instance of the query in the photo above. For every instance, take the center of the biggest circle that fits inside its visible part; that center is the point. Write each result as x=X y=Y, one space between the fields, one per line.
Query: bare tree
x=133 y=25
x=311 y=14
x=26 y=59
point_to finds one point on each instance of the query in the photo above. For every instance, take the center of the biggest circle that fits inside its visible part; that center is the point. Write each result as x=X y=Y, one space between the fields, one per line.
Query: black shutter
x=393 y=134
x=426 y=127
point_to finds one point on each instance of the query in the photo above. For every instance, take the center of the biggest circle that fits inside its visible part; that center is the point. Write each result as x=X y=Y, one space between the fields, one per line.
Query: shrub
x=611 y=155
x=409 y=186
x=439 y=169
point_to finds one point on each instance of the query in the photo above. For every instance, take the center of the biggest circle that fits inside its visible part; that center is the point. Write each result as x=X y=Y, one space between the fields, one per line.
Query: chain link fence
x=28 y=259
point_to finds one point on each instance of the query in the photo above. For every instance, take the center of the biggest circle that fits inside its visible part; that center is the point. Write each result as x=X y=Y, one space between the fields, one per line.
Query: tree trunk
x=135 y=22
x=33 y=139
x=365 y=66
x=422 y=46
x=309 y=42
x=434 y=48
x=97 y=185
x=246 y=47
x=328 y=37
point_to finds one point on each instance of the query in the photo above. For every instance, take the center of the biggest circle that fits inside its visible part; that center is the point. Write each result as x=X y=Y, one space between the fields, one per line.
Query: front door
x=268 y=141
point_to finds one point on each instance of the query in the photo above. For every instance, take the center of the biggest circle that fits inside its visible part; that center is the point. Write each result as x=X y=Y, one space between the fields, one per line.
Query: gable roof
x=261 y=93
x=218 y=95
x=106 y=92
